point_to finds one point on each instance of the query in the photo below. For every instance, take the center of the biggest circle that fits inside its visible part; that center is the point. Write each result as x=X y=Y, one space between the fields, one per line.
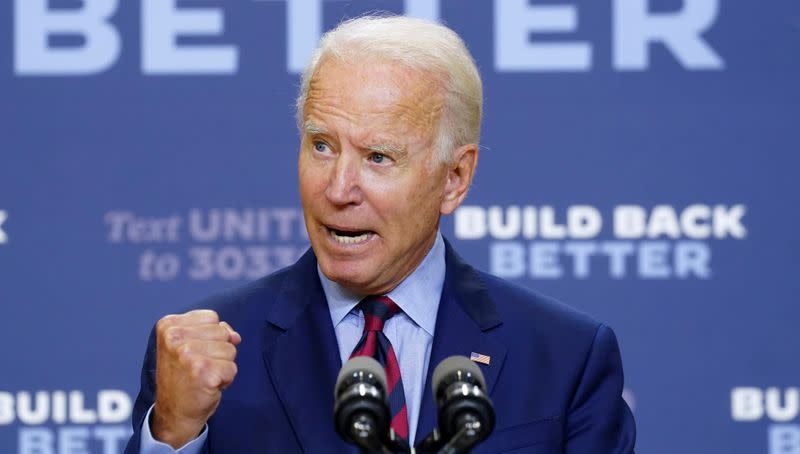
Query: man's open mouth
x=350 y=236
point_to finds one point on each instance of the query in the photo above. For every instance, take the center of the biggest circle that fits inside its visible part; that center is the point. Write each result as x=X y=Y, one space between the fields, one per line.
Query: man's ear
x=459 y=177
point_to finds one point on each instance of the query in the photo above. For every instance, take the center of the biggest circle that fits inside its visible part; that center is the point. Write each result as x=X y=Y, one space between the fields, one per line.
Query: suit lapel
x=465 y=318
x=302 y=357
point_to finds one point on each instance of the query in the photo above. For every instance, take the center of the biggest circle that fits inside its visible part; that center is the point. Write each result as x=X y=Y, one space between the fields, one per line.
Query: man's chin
x=352 y=275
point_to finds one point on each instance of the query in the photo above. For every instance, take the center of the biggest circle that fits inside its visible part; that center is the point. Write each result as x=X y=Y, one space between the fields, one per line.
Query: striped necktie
x=373 y=343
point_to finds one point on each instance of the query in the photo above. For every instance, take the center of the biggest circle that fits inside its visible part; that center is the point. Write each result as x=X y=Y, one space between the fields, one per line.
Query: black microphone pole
x=461 y=442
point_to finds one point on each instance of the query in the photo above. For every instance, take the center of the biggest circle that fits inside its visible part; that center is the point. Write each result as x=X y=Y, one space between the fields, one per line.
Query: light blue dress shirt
x=410 y=332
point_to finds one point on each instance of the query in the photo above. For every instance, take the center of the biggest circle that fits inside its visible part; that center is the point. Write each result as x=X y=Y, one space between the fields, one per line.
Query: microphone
x=360 y=412
x=466 y=414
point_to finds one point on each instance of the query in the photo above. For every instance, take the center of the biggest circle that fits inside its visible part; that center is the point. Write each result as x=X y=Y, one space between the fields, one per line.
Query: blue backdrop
x=639 y=162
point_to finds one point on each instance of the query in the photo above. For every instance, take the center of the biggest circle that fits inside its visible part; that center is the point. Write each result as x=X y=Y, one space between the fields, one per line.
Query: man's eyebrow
x=311 y=128
x=387 y=148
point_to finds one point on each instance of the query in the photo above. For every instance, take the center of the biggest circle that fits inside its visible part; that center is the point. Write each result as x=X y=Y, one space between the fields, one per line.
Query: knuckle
x=173 y=335
x=165 y=322
x=228 y=372
x=212 y=381
x=186 y=360
x=185 y=350
x=198 y=368
x=207 y=315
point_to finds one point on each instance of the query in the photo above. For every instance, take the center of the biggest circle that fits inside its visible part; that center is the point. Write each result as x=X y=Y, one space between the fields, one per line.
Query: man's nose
x=344 y=186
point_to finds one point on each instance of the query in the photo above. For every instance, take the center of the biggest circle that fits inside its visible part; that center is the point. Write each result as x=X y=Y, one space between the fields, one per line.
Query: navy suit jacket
x=555 y=375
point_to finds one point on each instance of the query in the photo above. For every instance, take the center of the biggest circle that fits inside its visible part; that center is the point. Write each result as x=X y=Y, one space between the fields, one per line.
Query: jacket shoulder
x=247 y=303
x=541 y=316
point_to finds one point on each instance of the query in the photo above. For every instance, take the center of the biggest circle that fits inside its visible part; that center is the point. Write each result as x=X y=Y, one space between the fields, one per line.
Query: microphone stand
x=398 y=444
x=461 y=442
x=464 y=439
x=363 y=430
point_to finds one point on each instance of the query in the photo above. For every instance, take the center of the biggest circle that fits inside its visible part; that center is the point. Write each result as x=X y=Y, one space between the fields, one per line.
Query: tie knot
x=377 y=309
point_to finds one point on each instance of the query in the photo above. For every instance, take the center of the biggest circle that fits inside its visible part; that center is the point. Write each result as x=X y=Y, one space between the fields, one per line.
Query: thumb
x=233 y=336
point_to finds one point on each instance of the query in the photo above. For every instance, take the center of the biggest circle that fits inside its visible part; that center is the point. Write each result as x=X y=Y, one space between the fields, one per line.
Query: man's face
x=370 y=183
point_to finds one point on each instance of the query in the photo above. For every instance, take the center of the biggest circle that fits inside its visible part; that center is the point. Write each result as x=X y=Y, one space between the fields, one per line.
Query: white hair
x=417 y=44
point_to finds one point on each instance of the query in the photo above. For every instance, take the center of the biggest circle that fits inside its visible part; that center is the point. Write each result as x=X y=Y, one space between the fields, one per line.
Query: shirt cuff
x=149 y=445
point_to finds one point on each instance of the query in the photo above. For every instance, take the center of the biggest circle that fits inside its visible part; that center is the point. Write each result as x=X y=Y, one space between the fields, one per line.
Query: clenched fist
x=195 y=355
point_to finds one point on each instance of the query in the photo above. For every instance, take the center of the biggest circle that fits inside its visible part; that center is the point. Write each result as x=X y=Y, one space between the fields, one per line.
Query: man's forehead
x=374 y=92
x=377 y=80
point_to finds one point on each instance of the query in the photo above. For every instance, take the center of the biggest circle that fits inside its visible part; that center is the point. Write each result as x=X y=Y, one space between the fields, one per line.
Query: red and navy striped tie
x=373 y=343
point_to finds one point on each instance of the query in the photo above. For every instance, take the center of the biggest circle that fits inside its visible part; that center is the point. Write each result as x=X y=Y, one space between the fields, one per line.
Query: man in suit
x=389 y=115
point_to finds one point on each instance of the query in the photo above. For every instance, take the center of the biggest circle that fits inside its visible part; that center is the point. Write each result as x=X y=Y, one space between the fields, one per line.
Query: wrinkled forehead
x=375 y=92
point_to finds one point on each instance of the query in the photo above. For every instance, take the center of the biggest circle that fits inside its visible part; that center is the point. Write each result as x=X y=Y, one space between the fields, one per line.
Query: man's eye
x=321 y=147
x=377 y=158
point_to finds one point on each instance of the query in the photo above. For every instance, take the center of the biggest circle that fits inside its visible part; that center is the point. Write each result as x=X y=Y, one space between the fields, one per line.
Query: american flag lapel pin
x=480 y=358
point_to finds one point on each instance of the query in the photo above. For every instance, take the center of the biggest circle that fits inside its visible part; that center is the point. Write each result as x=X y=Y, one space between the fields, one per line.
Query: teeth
x=349 y=239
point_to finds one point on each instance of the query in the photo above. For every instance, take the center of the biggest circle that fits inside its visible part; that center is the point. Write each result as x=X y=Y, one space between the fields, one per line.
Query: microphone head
x=457 y=368
x=360 y=410
x=361 y=369
x=459 y=390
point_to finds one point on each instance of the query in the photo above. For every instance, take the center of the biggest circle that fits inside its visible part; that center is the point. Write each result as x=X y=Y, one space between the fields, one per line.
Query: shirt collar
x=417 y=295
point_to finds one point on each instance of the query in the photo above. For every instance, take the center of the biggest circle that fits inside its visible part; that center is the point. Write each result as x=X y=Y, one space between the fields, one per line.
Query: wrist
x=172 y=430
